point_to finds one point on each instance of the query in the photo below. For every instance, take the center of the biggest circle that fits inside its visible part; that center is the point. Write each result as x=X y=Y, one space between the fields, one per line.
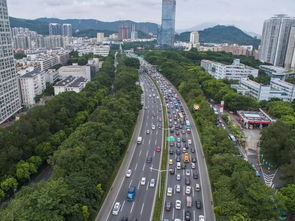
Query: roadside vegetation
x=83 y=156
x=238 y=194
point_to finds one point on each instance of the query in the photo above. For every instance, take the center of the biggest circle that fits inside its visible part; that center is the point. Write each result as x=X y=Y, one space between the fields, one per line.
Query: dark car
x=178 y=145
x=149 y=159
x=194 y=160
x=172 y=171
x=185 y=145
x=198 y=204
x=192 y=150
x=183 y=166
x=124 y=219
x=180 y=126
x=195 y=175
x=183 y=140
x=178 y=152
x=171 y=130
x=171 y=144
x=178 y=159
x=187 y=215
x=187 y=181
x=171 y=151
x=168 y=206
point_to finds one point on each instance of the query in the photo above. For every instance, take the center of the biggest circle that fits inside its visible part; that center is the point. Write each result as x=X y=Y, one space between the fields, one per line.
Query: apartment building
x=70 y=83
x=76 y=71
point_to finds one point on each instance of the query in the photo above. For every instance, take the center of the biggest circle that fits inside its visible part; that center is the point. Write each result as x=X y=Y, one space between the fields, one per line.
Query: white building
x=99 y=37
x=67 y=30
x=282 y=90
x=31 y=85
x=195 y=39
x=76 y=71
x=10 y=100
x=51 y=76
x=277 y=72
x=70 y=83
x=290 y=55
x=102 y=50
x=235 y=71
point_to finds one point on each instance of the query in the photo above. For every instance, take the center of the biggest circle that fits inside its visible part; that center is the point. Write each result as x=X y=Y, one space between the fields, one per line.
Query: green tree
x=2 y=195
x=9 y=184
x=23 y=170
x=289 y=196
x=85 y=212
x=100 y=189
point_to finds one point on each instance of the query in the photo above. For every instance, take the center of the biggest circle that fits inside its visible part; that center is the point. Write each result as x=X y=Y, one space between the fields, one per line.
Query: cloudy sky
x=245 y=14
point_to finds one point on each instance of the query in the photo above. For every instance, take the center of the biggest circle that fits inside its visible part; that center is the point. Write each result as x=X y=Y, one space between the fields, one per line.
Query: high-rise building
x=10 y=101
x=195 y=39
x=67 y=30
x=124 y=32
x=290 y=55
x=167 y=32
x=275 y=37
x=134 y=33
x=55 y=29
x=99 y=37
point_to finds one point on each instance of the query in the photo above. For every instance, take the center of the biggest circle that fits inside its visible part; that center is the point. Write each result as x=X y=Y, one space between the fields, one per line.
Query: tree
x=23 y=170
x=2 y=195
x=9 y=184
x=85 y=212
x=289 y=196
x=100 y=189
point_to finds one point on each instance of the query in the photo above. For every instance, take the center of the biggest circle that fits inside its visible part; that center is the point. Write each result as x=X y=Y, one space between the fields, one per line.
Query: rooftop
x=254 y=116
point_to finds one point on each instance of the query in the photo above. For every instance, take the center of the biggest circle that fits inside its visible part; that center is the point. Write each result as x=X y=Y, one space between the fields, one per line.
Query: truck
x=185 y=158
x=189 y=201
x=131 y=193
x=139 y=140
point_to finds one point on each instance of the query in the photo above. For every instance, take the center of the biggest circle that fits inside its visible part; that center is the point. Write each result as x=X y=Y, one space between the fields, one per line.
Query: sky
x=245 y=14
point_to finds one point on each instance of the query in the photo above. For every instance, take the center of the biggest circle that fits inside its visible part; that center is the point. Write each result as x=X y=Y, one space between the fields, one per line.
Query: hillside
x=222 y=34
x=40 y=25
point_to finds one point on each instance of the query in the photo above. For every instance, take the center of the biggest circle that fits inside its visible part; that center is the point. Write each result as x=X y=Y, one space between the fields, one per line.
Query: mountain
x=40 y=25
x=198 y=27
x=222 y=34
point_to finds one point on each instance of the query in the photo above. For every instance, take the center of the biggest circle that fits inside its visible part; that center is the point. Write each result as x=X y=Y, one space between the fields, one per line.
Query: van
x=139 y=140
x=189 y=201
x=198 y=188
x=178 y=165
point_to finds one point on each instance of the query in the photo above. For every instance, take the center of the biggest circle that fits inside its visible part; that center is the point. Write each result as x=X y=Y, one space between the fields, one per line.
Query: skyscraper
x=55 y=29
x=124 y=32
x=167 y=32
x=275 y=37
x=290 y=55
x=195 y=39
x=10 y=101
x=67 y=30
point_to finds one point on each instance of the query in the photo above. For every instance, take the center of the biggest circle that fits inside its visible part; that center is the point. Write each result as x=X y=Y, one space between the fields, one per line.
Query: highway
x=140 y=209
x=194 y=150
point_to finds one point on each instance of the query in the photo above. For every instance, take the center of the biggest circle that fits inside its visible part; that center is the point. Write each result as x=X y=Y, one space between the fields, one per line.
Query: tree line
x=238 y=194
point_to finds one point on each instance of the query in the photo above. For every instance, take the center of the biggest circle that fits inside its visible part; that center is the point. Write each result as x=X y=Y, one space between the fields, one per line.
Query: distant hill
x=222 y=34
x=40 y=25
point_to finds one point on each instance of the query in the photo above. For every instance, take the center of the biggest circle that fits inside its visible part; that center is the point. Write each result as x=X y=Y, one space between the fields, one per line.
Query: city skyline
x=245 y=15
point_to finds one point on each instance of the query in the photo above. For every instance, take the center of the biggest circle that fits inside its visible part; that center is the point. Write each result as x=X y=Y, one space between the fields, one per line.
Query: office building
x=282 y=90
x=76 y=71
x=10 y=100
x=51 y=76
x=134 y=33
x=67 y=30
x=195 y=39
x=99 y=37
x=235 y=71
x=277 y=72
x=55 y=29
x=275 y=37
x=167 y=32
x=31 y=85
x=290 y=55
x=70 y=83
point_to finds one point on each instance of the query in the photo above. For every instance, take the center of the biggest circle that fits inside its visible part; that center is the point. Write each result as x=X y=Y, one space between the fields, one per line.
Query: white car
x=142 y=182
x=189 y=142
x=201 y=218
x=169 y=191
x=193 y=165
x=187 y=172
x=153 y=127
x=116 y=209
x=152 y=183
x=178 y=177
x=147 y=131
x=177 y=188
x=128 y=174
x=177 y=204
x=188 y=190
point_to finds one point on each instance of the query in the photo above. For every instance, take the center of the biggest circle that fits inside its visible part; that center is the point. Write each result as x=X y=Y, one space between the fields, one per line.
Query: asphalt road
x=204 y=195
x=140 y=209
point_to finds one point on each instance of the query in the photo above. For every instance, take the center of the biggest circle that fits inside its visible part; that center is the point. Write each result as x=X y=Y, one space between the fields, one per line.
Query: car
x=194 y=160
x=184 y=150
x=142 y=182
x=177 y=133
x=145 y=107
x=189 y=141
x=187 y=181
x=178 y=177
x=177 y=188
x=183 y=140
x=178 y=159
x=197 y=187
x=170 y=161
x=171 y=129
x=128 y=173
x=147 y=131
x=201 y=218
x=171 y=144
x=187 y=215
x=193 y=165
x=168 y=206
x=124 y=219
x=158 y=149
x=188 y=131
x=198 y=204
x=171 y=151
x=178 y=152
x=195 y=175
x=178 y=145
x=169 y=191
x=183 y=131
x=178 y=204
x=149 y=159
x=178 y=139
x=188 y=190
x=187 y=172
x=183 y=166
x=192 y=150
x=153 y=127
x=116 y=208
x=172 y=171
x=152 y=183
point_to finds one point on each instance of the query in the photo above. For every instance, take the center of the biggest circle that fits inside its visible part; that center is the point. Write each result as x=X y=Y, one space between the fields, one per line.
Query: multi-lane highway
x=151 y=131
x=187 y=175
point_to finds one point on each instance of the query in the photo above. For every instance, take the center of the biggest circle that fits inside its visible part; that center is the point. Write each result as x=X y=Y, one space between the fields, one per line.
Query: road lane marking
x=135 y=166
x=141 y=209
x=147 y=186
x=183 y=215
x=150 y=142
x=154 y=154
x=138 y=185
x=146 y=154
x=155 y=141
x=132 y=207
x=140 y=152
x=143 y=167
x=130 y=183
x=122 y=206
x=194 y=215
x=173 y=214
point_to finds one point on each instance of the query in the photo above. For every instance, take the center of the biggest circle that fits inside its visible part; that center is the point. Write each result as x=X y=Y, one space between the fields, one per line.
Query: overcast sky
x=245 y=14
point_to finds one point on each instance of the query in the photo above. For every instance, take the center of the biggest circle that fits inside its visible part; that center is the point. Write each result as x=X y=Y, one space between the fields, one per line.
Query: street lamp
x=160 y=180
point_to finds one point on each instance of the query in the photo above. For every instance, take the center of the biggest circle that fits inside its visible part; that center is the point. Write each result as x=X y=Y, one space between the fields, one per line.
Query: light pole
x=160 y=180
